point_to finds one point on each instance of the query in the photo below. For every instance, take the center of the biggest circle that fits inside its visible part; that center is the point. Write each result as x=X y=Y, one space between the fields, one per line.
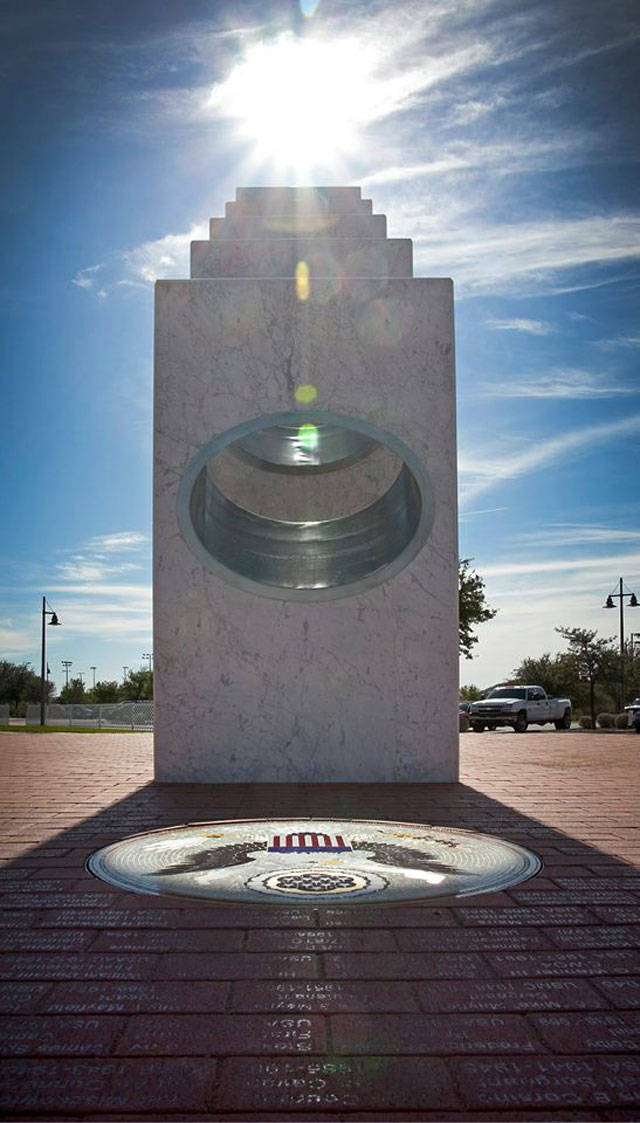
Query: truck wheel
x=565 y=721
x=491 y=728
x=478 y=728
x=521 y=723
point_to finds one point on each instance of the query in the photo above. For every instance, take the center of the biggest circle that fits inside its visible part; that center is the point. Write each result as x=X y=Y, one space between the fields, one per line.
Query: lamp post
x=621 y=595
x=66 y=663
x=43 y=664
x=148 y=655
x=94 y=676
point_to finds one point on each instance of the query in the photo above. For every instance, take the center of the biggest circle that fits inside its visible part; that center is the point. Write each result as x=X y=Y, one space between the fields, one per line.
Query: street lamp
x=148 y=655
x=43 y=665
x=66 y=663
x=621 y=595
x=94 y=676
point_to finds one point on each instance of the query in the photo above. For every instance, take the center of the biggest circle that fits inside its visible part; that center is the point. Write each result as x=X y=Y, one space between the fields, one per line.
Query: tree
x=138 y=686
x=554 y=673
x=470 y=693
x=108 y=690
x=73 y=693
x=592 y=659
x=19 y=685
x=473 y=607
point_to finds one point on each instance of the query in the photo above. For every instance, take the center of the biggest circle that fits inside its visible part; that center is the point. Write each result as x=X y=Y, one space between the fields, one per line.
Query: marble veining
x=363 y=688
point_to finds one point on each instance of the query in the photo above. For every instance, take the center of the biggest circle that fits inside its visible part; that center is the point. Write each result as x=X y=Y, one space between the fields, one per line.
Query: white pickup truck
x=519 y=706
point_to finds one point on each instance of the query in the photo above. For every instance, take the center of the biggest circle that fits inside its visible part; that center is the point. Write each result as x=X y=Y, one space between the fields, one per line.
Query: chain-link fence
x=114 y=715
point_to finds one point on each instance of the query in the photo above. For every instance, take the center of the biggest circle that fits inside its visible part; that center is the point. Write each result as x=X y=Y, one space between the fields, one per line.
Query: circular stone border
x=377 y=878
x=282 y=592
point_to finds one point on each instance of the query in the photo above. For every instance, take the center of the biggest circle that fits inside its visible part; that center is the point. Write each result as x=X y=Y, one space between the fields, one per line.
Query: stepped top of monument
x=269 y=231
x=297 y=200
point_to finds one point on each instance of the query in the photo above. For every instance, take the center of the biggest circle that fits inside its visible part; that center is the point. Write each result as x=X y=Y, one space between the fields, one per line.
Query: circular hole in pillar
x=305 y=506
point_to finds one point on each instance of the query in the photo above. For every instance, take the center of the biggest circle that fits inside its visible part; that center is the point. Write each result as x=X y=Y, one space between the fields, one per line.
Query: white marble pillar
x=305 y=573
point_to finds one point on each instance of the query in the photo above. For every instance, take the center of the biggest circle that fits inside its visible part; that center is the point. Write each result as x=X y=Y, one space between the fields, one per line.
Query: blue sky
x=500 y=136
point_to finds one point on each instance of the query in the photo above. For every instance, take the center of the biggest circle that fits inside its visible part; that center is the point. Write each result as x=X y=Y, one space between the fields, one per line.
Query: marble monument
x=305 y=564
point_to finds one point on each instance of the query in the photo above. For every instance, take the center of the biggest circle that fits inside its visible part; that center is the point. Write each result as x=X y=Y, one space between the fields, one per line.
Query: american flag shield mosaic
x=280 y=861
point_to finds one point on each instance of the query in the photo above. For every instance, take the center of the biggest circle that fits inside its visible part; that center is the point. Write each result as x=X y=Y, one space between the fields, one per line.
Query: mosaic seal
x=287 y=861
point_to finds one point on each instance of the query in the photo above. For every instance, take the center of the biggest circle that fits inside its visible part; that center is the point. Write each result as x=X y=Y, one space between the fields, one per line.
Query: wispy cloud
x=490 y=468
x=88 y=569
x=98 y=558
x=485 y=257
x=530 y=327
x=559 y=565
x=114 y=611
x=621 y=342
x=506 y=158
x=102 y=588
x=484 y=511
x=140 y=266
x=15 y=639
x=122 y=540
x=559 y=383
x=468 y=112
x=578 y=534
x=167 y=256
x=558 y=288
x=86 y=278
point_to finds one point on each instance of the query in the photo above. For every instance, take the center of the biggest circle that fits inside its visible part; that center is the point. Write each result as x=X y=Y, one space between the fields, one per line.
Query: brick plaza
x=516 y=1005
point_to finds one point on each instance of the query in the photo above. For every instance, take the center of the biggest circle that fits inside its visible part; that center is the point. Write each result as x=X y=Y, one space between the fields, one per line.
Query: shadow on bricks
x=519 y=1004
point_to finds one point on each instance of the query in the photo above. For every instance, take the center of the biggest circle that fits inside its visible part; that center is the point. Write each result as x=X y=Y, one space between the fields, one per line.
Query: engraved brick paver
x=323 y=997
x=22 y=997
x=622 y=993
x=188 y=1034
x=621 y=915
x=511 y=994
x=170 y=1084
x=549 y=1082
x=165 y=940
x=81 y=966
x=297 y=1085
x=317 y=940
x=589 y=1033
x=597 y=936
x=50 y=939
x=216 y=965
x=405 y=965
x=518 y=1005
x=133 y=997
x=59 y=1035
x=473 y=939
x=432 y=1033
x=563 y=915
x=566 y=963
x=389 y=917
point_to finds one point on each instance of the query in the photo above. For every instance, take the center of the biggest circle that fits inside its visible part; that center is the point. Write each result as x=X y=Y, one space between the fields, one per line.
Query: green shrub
x=622 y=721
x=585 y=721
x=605 y=721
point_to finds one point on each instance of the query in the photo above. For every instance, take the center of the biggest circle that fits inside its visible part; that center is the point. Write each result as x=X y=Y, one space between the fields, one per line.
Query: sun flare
x=300 y=102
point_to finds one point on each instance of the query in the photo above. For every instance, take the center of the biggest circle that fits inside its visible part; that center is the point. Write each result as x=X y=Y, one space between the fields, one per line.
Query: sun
x=301 y=103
